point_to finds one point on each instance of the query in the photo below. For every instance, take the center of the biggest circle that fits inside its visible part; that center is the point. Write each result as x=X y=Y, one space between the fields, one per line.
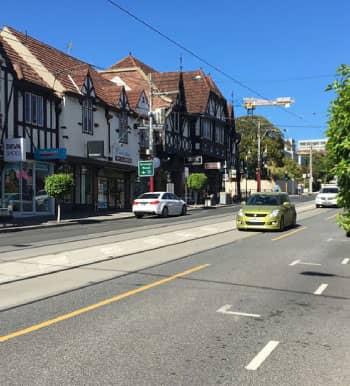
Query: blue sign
x=50 y=154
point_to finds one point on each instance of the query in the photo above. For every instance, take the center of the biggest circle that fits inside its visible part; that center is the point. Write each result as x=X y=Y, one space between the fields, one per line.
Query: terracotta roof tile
x=67 y=70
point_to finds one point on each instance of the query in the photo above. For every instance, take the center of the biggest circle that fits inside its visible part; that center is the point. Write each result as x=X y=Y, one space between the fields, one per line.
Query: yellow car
x=266 y=211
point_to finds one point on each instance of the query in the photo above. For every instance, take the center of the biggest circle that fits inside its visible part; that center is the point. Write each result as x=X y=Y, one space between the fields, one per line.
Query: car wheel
x=183 y=210
x=137 y=215
x=317 y=206
x=281 y=224
x=165 y=212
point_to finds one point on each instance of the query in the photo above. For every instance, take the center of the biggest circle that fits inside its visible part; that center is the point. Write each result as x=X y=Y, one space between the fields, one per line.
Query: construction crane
x=251 y=103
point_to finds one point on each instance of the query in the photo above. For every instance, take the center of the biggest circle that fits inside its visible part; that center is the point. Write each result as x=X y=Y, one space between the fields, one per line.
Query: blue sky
x=274 y=48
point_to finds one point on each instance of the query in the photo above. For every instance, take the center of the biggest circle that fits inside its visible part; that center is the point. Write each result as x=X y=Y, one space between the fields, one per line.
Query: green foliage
x=197 y=181
x=338 y=145
x=57 y=185
x=289 y=168
x=271 y=140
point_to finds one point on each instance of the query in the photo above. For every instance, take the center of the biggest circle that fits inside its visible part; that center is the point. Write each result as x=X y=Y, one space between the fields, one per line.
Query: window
x=87 y=116
x=123 y=127
x=206 y=129
x=219 y=135
x=33 y=109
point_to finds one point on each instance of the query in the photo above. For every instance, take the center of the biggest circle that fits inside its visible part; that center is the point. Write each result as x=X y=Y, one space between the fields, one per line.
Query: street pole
x=310 y=177
x=151 y=179
x=258 y=172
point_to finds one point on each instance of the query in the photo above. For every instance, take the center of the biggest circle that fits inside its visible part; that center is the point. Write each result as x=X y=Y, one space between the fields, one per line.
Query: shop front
x=23 y=188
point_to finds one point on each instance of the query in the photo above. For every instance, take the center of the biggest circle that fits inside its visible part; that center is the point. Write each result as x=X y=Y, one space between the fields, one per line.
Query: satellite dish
x=156 y=162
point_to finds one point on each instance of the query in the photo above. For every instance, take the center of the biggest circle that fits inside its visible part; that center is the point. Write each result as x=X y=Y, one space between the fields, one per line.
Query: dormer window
x=88 y=118
x=34 y=109
x=123 y=127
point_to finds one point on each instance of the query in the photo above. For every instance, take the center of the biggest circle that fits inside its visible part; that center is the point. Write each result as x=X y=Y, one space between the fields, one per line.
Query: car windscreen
x=260 y=199
x=149 y=195
x=329 y=190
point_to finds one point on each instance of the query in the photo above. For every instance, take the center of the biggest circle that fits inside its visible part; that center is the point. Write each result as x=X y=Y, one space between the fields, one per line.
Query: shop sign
x=212 y=165
x=50 y=154
x=194 y=160
x=121 y=156
x=14 y=150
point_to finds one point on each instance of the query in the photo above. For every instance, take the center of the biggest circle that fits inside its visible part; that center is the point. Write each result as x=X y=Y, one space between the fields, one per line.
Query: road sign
x=146 y=168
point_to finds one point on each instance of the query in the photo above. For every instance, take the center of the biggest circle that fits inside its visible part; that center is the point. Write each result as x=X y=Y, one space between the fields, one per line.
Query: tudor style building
x=192 y=118
x=58 y=113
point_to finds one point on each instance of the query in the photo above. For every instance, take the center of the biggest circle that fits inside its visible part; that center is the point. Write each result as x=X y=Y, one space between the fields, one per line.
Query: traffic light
x=286 y=177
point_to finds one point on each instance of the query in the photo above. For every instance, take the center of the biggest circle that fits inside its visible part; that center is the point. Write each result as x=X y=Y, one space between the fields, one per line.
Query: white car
x=327 y=196
x=158 y=203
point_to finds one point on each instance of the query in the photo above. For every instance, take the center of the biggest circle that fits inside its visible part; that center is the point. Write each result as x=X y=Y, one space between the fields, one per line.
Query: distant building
x=314 y=145
x=290 y=149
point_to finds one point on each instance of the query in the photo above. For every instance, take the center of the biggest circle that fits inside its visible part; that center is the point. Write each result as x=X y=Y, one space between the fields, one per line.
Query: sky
x=263 y=49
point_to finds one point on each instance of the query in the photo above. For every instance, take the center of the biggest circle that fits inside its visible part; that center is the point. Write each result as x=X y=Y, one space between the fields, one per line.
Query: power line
x=157 y=31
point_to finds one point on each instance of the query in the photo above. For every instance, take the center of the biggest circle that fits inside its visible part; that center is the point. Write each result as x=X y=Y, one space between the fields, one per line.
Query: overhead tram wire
x=217 y=69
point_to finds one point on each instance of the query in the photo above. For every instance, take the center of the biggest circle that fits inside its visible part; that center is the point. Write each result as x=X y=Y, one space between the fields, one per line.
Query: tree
x=338 y=145
x=271 y=140
x=197 y=182
x=57 y=186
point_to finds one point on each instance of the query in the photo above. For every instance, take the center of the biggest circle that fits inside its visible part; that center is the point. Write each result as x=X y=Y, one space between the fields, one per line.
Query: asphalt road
x=267 y=309
x=86 y=227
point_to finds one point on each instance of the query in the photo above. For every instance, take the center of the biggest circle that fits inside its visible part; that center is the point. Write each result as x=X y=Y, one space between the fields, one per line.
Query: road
x=232 y=308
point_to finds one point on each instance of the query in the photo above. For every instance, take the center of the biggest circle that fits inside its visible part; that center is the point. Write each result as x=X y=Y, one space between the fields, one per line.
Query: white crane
x=251 y=103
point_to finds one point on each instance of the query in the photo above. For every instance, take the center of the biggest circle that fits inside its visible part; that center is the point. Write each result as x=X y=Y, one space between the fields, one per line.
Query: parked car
x=158 y=203
x=327 y=196
x=267 y=211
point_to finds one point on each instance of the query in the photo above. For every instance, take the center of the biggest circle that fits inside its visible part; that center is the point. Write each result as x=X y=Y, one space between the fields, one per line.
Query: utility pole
x=151 y=179
x=250 y=104
x=310 y=176
x=258 y=171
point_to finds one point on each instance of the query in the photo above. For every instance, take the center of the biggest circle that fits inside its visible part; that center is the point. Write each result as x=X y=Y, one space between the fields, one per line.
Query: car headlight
x=240 y=212
x=275 y=213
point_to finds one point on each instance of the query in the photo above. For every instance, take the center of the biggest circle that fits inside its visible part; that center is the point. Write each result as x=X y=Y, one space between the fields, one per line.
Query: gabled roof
x=135 y=74
x=46 y=66
x=131 y=62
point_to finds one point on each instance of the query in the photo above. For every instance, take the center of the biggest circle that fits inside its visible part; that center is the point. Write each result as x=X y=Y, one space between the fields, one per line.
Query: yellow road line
x=102 y=303
x=289 y=234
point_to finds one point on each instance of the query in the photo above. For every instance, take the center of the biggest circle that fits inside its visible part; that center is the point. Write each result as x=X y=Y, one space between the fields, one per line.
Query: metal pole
x=310 y=177
x=151 y=179
x=258 y=172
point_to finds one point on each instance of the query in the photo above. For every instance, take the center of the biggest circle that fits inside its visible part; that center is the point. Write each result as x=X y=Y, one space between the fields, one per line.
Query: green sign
x=146 y=168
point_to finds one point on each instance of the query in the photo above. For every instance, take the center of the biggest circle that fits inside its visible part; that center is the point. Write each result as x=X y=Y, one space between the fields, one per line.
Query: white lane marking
x=345 y=261
x=225 y=310
x=262 y=355
x=298 y=261
x=320 y=289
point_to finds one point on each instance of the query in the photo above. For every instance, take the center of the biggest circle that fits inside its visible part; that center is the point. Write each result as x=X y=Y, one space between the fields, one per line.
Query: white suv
x=327 y=196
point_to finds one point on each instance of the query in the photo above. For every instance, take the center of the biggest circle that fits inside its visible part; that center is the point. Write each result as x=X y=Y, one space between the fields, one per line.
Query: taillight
x=135 y=203
x=155 y=202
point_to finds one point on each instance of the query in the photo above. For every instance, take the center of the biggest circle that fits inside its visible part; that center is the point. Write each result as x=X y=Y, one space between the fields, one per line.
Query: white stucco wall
x=76 y=143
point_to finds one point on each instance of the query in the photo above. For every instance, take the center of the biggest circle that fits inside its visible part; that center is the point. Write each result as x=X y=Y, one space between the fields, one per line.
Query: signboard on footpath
x=14 y=150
